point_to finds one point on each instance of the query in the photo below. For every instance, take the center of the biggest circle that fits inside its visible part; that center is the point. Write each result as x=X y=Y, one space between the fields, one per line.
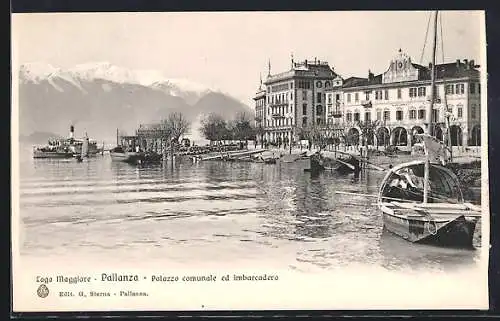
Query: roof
x=358 y=82
x=443 y=71
x=306 y=69
x=448 y=70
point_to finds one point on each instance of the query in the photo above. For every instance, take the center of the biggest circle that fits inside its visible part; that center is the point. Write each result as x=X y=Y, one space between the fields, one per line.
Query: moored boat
x=119 y=154
x=51 y=151
x=445 y=219
x=342 y=164
x=66 y=147
x=422 y=201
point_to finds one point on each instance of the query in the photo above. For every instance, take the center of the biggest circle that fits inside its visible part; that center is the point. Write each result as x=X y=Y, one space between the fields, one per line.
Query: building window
x=304 y=109
x=368 y=116
x=378 y=95
x=356 y=97
x=413 y=92
x=459 y=89
x=356 y=116
x=473 y=111
x=435 y=115
x=319 y=84
x=329 y=98
x=478 y=88
x=450 y=89
x=460 y=111
x=421 y=114
x=413 y=114
x=472 y=87
x=304 y=94
x=337 y=97
x=318 y=97
x=348 y=98
x=304 y=84
x=319 y=110
x=421 y=91
x=387 y=115
x=367 y=95
x=386 y=94
x=379 y=115
x=291 y=85
x=349 y=117
x=327 y=84
x=291 y=95
x=399 y=115
x=304 y=121
x=399 y=93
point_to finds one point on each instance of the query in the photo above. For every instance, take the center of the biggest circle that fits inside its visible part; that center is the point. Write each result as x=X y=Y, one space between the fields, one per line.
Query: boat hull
x=454 y=232
x=58 y=155
x=127 y=157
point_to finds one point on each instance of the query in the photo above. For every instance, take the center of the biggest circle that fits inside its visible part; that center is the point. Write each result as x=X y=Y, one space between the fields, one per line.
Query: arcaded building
x=398 y=100
x=395 y=102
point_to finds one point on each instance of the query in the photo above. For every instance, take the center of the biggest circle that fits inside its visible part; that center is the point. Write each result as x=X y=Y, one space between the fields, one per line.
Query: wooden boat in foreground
x=445 y=219
x=422 y=201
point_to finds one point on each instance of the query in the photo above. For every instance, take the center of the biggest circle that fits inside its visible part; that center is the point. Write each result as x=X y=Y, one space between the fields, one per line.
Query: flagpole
x=431 y=107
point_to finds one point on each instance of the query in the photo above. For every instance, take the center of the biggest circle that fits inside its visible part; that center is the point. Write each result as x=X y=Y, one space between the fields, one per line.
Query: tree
x=178 y=125
x=213 y=128
x=242 y=128
x=368 y=129
x=171 y=129
x=259 y=131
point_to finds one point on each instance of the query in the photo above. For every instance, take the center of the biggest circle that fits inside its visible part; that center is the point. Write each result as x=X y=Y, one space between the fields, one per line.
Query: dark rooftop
x=443 y=71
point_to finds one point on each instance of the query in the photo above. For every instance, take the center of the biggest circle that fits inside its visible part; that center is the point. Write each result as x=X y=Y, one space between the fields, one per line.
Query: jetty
x=234 y=154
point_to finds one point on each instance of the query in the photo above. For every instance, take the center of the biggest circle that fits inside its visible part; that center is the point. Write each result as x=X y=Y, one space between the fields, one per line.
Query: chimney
x=315 y=60
x=458 y=63
x=430 y=65
x=466 y=62
x=472 y=64
x=370 y=75
x=306 y=62
x=71 y=131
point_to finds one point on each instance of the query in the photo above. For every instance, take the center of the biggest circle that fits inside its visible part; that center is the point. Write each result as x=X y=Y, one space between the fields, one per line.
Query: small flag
x=435 y=149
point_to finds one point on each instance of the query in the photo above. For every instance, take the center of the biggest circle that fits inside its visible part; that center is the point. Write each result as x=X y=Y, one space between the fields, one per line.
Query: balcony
x=366 y=103
x=335 y=114
x=277 y=115
x=437 y=99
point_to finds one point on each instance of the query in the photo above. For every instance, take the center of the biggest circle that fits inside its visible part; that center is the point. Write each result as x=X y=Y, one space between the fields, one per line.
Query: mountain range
x=100 y=98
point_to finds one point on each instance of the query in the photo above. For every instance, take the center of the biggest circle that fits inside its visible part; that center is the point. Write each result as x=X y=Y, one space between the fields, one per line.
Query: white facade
x=399 y=99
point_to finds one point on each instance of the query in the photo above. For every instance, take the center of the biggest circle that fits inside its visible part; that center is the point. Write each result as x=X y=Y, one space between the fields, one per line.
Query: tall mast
x=431 y=107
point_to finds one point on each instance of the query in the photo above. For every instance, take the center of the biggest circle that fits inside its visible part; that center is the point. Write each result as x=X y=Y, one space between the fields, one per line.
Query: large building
x=294 y=99
x=394 y=102
x=398 y=100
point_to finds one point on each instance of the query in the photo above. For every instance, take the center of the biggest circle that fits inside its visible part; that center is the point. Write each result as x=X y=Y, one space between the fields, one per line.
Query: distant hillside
x=100 y=98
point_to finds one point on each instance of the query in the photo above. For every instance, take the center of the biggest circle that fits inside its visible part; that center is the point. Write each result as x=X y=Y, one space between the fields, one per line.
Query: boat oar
x=370 y=195
x=346 y=164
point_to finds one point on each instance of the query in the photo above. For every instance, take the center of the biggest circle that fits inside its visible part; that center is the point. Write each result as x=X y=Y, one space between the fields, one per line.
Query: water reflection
x=225 y=211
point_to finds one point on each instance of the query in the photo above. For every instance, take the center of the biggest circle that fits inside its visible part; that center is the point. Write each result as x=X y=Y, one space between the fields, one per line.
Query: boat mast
x=431 y=107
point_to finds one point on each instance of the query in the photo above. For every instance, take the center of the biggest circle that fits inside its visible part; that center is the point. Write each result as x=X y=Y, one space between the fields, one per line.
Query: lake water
x=197 y=213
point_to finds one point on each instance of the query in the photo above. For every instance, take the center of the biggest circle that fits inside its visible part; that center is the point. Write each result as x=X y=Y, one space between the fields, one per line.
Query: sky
x=229 y=50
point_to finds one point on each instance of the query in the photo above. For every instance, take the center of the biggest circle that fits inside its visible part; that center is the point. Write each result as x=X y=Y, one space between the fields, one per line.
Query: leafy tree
x=214 y=128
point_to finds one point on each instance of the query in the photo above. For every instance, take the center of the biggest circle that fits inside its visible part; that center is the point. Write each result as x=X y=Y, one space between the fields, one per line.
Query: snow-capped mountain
x=36 y=72
x=100 y=97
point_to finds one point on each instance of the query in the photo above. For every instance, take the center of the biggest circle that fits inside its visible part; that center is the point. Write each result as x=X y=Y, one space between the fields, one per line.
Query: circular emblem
x=318 y=84
x=42 y=291
x=400 y=64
